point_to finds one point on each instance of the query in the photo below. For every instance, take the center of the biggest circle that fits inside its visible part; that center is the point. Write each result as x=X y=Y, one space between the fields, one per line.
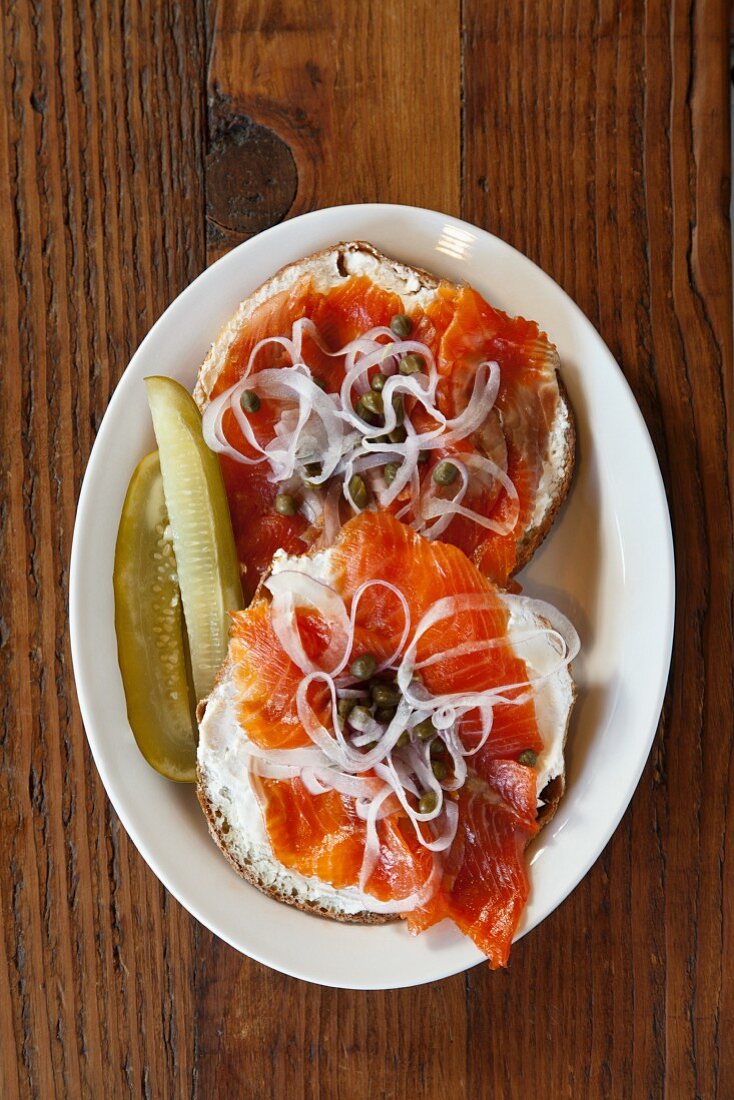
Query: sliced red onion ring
x=366 y=725
x=356 y=374
x=391 y=771
x=334 y=745
x=442 y=511
x=417 y=758
x=415 y=900
x=431 y=507
x=561 y=626
x=351 y=693
x=407 y=904
x=458 y=755
x=444 y=717
x=465 y=649
x=443 y=820
x=310 y=780
x=320 y=780
x=291 y=589
x=487 y=713
x=451 y=606
x=332 y=519
x=389 y=806
x=483 y=396
x=372 y=842
x=307 y=757
x=213 y=431
x=353 y=622
x=266 y=770
x=445 y=608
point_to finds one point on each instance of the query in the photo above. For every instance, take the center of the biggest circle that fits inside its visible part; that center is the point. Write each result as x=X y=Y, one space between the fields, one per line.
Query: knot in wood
x=251 y=179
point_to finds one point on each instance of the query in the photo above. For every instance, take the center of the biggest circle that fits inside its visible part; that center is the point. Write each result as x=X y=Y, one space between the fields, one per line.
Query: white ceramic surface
x=608 y=564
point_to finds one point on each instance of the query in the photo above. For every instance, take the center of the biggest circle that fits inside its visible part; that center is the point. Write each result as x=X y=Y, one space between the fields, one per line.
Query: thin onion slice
x=315 y=427
x=291 y=589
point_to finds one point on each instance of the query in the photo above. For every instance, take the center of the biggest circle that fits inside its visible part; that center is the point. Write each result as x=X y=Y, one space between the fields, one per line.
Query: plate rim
x=76 y=588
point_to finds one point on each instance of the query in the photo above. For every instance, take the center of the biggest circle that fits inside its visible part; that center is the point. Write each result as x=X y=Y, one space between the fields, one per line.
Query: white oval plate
x=608 y=564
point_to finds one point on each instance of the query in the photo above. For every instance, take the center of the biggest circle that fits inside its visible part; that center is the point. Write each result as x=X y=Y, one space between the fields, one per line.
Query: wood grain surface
x=139 y=142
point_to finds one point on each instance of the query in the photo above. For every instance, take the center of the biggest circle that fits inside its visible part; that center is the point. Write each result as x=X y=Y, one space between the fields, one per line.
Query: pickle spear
x=150 y=629
x=206 y=559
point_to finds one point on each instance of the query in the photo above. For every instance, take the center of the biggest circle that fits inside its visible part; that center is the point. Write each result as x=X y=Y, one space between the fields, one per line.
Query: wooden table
x=138 y=142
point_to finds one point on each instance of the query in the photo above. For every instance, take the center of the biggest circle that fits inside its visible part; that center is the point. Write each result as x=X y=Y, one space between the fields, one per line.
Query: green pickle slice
x=206 y=559
x=150 y=630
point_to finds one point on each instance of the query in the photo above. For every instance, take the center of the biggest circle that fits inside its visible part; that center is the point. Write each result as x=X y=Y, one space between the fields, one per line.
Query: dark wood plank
x=267 y=1035
x=311 y=107
x=97 y=960
x=617 y=186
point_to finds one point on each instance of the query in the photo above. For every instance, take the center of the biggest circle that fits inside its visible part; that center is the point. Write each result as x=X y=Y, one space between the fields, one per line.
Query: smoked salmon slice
x=487 y=882
x=480 y=879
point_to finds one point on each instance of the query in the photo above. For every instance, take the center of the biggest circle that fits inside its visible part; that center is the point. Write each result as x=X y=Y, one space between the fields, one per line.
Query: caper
x=425 y=729
x=445 y=473
x=372 y=402
x=422 y=458
x=437 y=747
x=401 y=325
x=528 y=757
x=363 y=667
x=403 y=740
x=358 y=491
x=285 y=505
x=390 y=472
x=385 y=714
x=378 y=382
x=370 y=745
x=385 y=695
x=412 y=363
x=345 y=707
x=439 y=769
x=397 y=404
x=397 y=435
x=312 y=469
x=365 y=413
x=318 y=382
x=249 y=401
x=358 y=716
x=428 y=802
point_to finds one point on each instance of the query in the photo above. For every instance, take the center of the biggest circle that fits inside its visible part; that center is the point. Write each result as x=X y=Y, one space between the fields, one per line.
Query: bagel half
x=416 y=288
x=232 y=811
